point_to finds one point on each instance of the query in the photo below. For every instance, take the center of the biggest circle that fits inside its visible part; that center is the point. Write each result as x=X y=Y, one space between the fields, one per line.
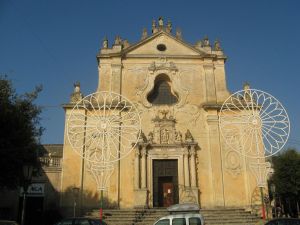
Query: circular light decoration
x=103 y=127
x=254 y=123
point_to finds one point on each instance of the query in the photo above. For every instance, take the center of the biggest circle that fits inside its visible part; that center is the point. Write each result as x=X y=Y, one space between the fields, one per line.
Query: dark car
x=284 y=221
x=81 y=221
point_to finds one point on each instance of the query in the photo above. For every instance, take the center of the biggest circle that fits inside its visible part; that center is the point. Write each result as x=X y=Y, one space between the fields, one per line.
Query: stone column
x=137 y=169
x=143 y=168
x=186 y=168
x=193 y=166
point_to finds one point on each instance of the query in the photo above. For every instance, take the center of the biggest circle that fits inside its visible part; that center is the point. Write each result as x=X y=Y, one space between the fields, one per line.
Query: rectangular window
x=194 y=221
x=163 y=222
x=178 y=221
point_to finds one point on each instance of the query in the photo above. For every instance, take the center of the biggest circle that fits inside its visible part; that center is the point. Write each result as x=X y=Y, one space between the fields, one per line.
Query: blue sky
x=55 y=42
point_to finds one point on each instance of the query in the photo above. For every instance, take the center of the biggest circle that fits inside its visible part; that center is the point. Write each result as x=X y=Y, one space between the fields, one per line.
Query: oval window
x=161 y=47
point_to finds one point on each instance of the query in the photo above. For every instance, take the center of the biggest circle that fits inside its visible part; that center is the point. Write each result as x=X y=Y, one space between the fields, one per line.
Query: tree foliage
x=20 y=132
x=286 y=179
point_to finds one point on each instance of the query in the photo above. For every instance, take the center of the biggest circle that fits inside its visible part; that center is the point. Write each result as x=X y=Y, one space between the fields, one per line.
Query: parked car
x=81 y=221
x=182 y=214
x=284 y=221
x=181 y=219
x=8 y=222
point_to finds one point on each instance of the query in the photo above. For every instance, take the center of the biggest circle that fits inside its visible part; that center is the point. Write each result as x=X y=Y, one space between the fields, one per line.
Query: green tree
x=286 y=178
x=20 y=132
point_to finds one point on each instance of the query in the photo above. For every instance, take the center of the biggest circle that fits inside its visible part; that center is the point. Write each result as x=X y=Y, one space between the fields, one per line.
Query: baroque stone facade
x=178 y=89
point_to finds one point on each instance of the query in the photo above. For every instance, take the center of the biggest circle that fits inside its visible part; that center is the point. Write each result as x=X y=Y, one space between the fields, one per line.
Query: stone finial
x=188 y=136
x=199 y=44
x=247 y=94
x=76 y=95
x=246 y=86
x=125 y=43
x=178 y=34
x=144 y=34
x=169 y=27
x=154 y=28
x=217 y=45
x=206 y=41
x=118 y=40
x=105 y=43
x=160 y=23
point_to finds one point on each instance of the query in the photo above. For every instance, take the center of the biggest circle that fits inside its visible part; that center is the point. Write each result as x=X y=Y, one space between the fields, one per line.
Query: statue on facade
x=125 y=43
x=188 y=136
x=169 y=27
x=150 y=137
x=206 y=41
x=142 y=138
x=144 y=34
x=154 y=28
x=105 y=43
x=160 y=23
x=118 y=40
x=76 y=95
x=199 y=44
x=217 y=45
x=164 y=137
x=178 y=34
x=178 y=136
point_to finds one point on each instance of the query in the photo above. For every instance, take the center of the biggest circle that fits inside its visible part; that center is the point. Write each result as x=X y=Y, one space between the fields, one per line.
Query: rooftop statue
x=206 y=41
x=154 y=28
x=105 y=43
x=144 y=34
x=178 y=33
x=169 y=27
x=217 y=45
x=160 y=22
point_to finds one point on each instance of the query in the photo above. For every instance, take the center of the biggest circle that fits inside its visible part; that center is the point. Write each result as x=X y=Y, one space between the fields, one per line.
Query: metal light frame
x=103 y=128
x=256 y=125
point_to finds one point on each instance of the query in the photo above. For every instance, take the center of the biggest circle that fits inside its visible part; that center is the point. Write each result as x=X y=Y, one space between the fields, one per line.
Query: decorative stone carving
x=144 y=34
x=188 y=136
x=118 y=40
x=76 y=95
x=154 y=28
x=164 y=131
x=169 y=27
x=232 y=163
x=217 y=46
x=125 y=43
x=160 y=23
x=206 y=41
x=105 y=43
x=178 y=34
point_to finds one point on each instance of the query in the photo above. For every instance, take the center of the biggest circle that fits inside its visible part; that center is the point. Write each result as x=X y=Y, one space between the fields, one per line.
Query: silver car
x=181 y=219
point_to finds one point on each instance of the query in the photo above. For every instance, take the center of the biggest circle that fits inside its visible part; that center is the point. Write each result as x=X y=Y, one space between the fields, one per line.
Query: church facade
x=178 y=89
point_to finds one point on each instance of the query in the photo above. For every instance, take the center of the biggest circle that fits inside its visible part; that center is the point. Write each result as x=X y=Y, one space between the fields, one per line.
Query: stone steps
x=149 y=216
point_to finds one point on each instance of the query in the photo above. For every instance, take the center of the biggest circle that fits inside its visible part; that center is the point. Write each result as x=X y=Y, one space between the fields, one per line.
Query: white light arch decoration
x=103 y=127
x=257 y=121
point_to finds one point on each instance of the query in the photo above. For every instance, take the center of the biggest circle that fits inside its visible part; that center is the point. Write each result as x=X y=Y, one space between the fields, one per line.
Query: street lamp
x=27 y=175
x=75 y=191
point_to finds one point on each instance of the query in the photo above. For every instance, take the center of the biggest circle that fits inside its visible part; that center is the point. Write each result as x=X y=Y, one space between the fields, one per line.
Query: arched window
x=162 y=93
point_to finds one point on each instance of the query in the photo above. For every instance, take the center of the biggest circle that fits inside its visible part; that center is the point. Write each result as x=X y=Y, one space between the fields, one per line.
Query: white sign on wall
x=35 y=189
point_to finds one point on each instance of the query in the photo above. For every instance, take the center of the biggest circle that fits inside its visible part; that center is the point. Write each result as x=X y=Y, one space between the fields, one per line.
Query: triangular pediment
x=173 y=46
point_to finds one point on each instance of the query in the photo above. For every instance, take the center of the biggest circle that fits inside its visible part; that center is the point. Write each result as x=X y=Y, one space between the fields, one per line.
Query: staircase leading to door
x=149 y=216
